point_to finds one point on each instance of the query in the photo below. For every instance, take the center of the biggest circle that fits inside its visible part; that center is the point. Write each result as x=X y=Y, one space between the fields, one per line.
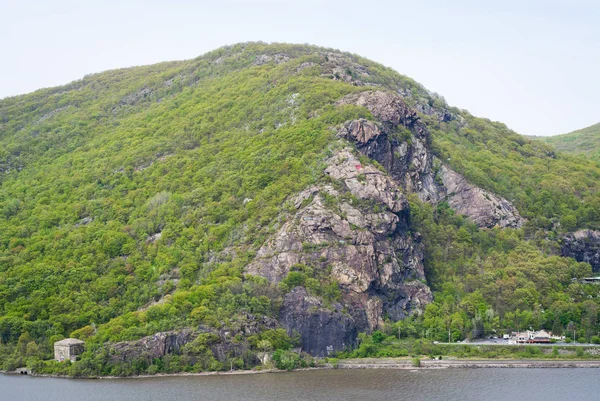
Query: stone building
x=68 y=348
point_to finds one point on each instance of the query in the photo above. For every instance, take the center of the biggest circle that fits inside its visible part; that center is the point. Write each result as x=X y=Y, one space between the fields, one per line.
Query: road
x=400 y=363
x=500 y=341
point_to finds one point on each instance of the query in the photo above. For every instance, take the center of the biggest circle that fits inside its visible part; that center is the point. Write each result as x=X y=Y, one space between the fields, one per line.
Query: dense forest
x=131 y=200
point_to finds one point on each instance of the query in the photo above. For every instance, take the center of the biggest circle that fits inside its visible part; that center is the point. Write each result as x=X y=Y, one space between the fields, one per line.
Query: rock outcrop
x=155 y=346
x=223 y=343
x=483 y=207
x=400 y=142
x=583 y=246
x=322 y=330
x=357 y=228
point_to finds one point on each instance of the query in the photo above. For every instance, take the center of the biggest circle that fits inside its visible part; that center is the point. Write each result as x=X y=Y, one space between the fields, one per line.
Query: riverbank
x=179 y=374
x=402 y=363
x=375 y=363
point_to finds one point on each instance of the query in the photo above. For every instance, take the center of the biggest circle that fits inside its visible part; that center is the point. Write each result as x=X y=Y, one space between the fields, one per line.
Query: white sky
x=532 y=64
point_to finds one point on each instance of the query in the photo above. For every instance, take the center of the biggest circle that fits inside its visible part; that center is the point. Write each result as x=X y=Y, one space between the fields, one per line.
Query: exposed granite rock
x=133 y=98
x=277 y=58
x=153 y=238
x=387 y=107
x=173 y=342
x=441 y=114
x=362 y=131
x=583 y=246
x=483 y=207
x=84 y=222
x=304 y=65
x=322 y=330
x=155 y=346
x=366 y=182
x=409 y=160
x=361 y=232
x=176 y=79
x=344 y=68
x=52 y=113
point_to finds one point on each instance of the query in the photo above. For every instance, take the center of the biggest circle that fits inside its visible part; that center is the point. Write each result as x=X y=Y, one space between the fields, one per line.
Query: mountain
x=188 y=216
x=585 y=141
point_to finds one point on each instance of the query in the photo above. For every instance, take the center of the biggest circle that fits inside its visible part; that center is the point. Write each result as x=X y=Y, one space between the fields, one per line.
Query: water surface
x=545 y=384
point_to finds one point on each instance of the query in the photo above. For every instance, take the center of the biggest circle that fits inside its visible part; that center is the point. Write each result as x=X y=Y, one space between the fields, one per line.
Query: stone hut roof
x=69 y=341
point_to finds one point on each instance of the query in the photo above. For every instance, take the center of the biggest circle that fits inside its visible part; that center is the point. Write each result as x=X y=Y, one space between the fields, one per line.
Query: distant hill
x=585 y=141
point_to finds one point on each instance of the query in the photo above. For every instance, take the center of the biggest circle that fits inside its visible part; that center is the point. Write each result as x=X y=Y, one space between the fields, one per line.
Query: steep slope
x=357 y=228
x=585 y=142
x=412 y=163
x=188 y=215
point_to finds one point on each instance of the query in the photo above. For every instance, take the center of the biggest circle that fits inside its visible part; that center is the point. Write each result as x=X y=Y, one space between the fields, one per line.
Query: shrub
x=416 y=362
x=378 y=337
x=533 y=350
x=287 y=360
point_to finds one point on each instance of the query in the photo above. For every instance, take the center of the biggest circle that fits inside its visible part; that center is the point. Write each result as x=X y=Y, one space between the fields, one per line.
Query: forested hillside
x=133 y=201
x=585 y=142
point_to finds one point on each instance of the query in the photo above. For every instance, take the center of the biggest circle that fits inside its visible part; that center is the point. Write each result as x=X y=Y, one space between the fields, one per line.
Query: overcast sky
x=534 y=65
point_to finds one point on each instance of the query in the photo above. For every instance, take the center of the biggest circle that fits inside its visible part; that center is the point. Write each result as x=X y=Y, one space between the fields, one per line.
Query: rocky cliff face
x=583 y=246
x=322 y=329
x=358 y=228
x=400 y=142
x=483 y=207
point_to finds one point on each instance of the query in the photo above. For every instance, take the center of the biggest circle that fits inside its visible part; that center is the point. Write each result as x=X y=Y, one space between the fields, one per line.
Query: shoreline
x=393 y=363
x=367 y=363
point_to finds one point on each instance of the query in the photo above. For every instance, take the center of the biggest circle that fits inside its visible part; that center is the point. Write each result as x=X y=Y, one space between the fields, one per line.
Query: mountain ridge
x=138 y=206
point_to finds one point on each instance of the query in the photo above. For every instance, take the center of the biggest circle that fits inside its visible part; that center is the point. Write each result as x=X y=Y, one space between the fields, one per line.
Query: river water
x=544 y=384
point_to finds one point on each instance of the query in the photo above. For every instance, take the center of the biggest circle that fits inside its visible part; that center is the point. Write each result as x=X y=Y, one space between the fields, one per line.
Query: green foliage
x=316 y=280
x=131 y=200
x=288 y=360
x=585 y=142
x=495 y=281
x=124 y=188
x=378 y=337
x=276 y=339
